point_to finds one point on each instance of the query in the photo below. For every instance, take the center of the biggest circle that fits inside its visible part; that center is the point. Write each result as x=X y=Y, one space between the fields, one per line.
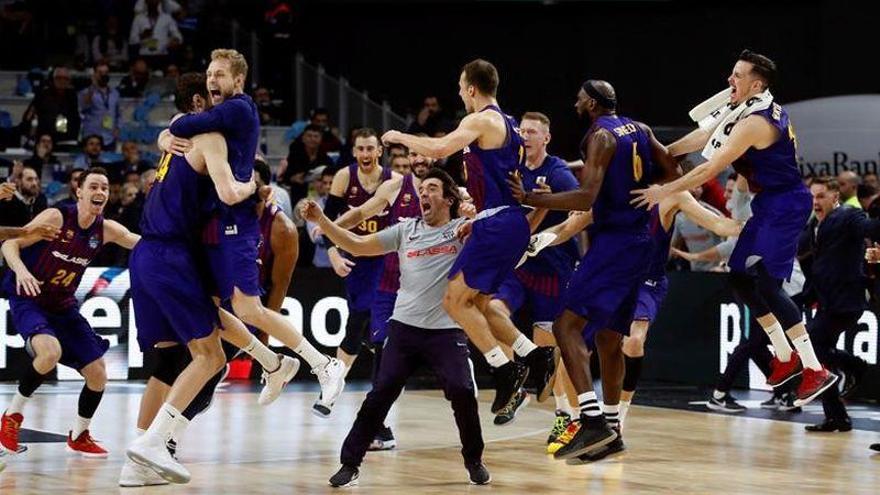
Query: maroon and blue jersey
x=173 y=209
x=557 y=259
x=661 y=239
x=60 y=263
x=486 y=171
x=266 y=255
x=773 y=168
x=630 y=168
x=406 y=205
x=238 y=120
x=356 y=195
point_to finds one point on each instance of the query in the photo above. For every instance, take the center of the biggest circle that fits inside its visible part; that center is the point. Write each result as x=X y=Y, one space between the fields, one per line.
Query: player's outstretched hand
x=179 y=146
x=514 y=182
x=310 y=210
x=391 y=137
x=341 y=265
x=647 y=198
x=25 y=282
x=7 y=190
x=45 y=231
x=467 y=210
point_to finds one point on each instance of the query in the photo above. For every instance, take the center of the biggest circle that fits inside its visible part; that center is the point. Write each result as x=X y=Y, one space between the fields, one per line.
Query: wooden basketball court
x=236 y=447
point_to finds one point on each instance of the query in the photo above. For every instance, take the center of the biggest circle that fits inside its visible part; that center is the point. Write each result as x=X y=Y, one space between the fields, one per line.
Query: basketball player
x=765 y=250
x=498 y=236
x=420 y=331
x=233 y=236
x=539 y=282
x=352 y=187
x=619 y=154
x=171 y=301
x=43 y=278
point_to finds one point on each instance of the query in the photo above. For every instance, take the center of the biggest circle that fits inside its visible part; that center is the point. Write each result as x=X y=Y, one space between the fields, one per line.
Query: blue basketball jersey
x=173 y=209
x=486 y=171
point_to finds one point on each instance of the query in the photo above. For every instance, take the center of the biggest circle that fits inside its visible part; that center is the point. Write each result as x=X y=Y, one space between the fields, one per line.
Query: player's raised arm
x=385 y=195
x=743 y=136
x=693 y=141
x=212 y=147
x=600 y=150
x=357 y=245
x=117 y=233
x=702 y=216
x=470 y=128
x=576 y=222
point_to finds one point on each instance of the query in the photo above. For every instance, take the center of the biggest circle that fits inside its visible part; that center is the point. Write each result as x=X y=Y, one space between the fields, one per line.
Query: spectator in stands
x=155 y=33
x=10 y=171
x=330 y=142
x=304 y=155
x=270 y=112
x=43 y=159
x=111 y=45
x=148 y=178
x=27 y=202
x=169 y=7
x=346 y=154
x=134 y=83
x=321 y=186
x=431 y=119
x=871 y=179
x=696 y=238
x=849 y=181
x=99 y=107
x=401 y=164
x=131 y=162
x=72 y=184
x=55 y=110
x=869 y=198
x=395 y=150
x=92 y=153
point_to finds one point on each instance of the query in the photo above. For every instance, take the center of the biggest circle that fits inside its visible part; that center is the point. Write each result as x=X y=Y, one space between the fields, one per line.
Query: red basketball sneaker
x=9 y=428
x=783 y=372
x=813 y=384
x=85 y=445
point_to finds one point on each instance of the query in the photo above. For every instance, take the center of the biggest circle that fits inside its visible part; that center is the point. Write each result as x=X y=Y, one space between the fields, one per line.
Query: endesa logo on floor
x=315 y=305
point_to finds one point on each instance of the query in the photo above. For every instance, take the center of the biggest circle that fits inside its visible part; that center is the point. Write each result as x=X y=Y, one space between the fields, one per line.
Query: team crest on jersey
x=354 y=190
x=93 y=242
x=407 y=197
x=68 y=235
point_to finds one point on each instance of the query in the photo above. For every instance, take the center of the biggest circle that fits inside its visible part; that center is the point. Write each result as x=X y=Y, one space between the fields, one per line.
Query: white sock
x=164 y=422
x=179 y=428
x=612 y=414
x=806 y=352
x=562 y=403
x=624 y=408
x=779 y=341
x=310 y=354
x=589 y=404
x=267 y=358
x=17 y=405
x=80 y=425
x=495 y=357
x=718 y=395
x=522 y=346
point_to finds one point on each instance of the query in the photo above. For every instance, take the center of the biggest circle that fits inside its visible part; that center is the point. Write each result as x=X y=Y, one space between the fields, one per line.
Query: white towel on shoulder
x=718 y=116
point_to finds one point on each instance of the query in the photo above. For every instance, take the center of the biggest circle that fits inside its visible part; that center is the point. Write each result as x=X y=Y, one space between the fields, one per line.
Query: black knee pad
x=170 y=361
x=745 y=288
x=355 y=331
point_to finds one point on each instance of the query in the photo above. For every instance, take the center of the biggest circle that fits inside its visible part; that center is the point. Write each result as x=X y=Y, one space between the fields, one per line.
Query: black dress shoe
x=831 y=425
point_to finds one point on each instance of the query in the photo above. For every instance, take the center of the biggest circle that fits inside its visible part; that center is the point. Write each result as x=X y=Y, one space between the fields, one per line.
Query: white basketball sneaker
x=276 y=380
x=331 y=377
x=150 y=451
x=134 y=474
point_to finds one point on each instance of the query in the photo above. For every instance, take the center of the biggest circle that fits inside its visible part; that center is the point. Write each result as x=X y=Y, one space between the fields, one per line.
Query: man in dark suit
x=834 y=242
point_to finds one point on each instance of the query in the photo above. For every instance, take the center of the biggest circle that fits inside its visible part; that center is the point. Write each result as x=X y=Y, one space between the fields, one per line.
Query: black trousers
x=825 y=329
x=754 y=348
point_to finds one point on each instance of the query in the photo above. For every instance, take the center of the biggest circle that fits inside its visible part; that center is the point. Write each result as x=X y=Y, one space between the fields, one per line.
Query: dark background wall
x=662 y=57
